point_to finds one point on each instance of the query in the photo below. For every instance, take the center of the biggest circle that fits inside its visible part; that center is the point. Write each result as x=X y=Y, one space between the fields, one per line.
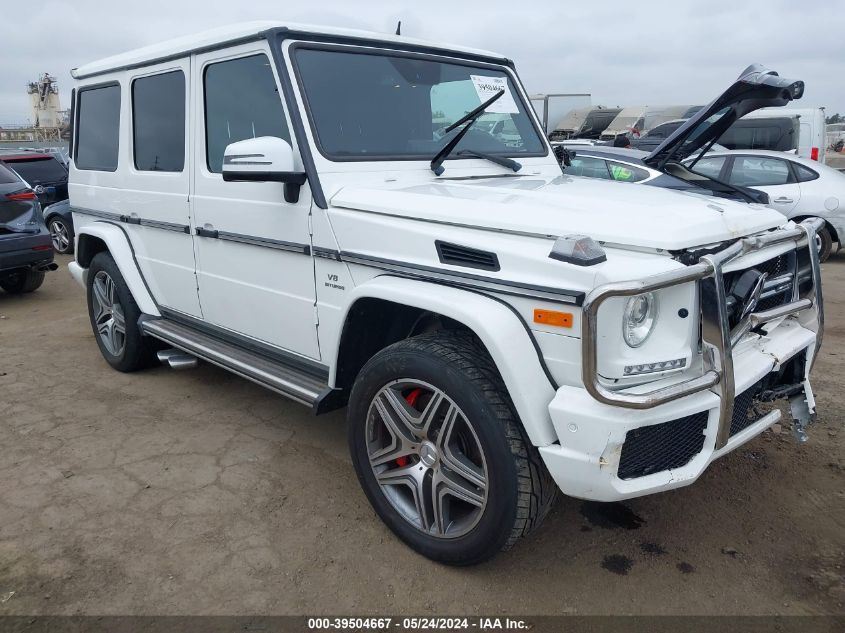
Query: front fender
x=117 y=243
x=499 y=328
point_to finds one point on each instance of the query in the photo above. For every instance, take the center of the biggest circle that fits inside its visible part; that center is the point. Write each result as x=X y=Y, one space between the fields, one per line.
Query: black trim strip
x=130 y=219
x=278 y=355
x=462 y=279
x=326 y=253
x=281 y=245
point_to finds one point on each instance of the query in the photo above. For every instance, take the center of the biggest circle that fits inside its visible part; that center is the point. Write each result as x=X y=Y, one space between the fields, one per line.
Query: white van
x=797 y=130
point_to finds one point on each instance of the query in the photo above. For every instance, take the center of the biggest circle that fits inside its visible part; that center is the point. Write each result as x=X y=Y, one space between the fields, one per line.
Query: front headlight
x=639 y=318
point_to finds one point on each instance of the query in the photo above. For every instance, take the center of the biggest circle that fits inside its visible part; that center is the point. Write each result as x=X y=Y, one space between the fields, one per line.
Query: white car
x=797 y=187
x=272 y=198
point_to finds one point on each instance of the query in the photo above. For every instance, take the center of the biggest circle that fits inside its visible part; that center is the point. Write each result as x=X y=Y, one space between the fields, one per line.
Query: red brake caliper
x=411 y=399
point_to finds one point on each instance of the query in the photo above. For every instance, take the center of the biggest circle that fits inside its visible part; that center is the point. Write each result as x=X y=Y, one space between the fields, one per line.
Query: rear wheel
x=114 y=317
x=21 y=281
x=440 y=452
x=824 y=242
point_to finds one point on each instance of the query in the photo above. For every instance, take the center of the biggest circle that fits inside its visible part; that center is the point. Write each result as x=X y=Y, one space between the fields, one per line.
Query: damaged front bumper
x=615 y=444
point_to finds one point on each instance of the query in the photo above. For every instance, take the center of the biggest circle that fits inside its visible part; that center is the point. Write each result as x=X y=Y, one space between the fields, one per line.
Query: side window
x=98 y=128
x=710 y=167
x=241 y=101
x=588 y=167
x=626 y=173
x=751 y=171
x=158 y=122
x=804 y=174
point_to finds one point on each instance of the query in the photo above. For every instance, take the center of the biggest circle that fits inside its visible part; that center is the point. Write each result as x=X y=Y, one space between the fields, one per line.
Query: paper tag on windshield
x=486 y=87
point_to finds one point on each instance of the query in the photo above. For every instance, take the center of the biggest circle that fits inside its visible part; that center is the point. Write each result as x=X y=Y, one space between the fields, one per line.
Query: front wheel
x=440 y=451
x=61 y=234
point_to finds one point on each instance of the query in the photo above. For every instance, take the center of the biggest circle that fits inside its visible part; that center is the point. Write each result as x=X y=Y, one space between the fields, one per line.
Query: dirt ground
x=198 y=492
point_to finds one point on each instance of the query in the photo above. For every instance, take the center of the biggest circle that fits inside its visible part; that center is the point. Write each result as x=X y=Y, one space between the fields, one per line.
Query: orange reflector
x=552 y=317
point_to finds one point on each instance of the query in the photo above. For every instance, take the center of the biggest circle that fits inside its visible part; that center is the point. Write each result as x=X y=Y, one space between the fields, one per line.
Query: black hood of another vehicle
x=757 y=87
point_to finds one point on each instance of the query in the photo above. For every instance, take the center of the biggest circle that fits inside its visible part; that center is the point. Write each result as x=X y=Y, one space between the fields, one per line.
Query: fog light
x=650 y=368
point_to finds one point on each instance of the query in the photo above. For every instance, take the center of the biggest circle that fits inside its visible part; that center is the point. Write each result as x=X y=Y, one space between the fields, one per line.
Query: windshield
x=39 y=170
x=396 y=107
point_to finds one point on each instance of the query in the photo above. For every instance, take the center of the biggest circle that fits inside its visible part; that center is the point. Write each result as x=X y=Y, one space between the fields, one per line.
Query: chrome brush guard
x=716 y=336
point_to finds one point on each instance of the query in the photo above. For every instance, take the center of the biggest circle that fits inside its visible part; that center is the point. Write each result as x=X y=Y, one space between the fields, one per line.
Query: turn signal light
x=552 y=317
x=650 y=368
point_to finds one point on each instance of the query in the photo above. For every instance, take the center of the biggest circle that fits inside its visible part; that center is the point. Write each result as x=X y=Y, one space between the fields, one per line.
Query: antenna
x=399 y=28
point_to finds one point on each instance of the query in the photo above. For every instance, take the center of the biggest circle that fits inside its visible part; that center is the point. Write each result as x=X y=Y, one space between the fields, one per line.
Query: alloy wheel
x=427 y=458
x=109 y=319
x=60 y=235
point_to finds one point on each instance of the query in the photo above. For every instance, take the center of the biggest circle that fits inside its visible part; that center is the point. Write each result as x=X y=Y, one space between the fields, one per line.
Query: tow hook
x=803 y=415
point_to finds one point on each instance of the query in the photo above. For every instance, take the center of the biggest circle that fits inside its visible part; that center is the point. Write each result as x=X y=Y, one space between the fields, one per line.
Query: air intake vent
x=464 y=256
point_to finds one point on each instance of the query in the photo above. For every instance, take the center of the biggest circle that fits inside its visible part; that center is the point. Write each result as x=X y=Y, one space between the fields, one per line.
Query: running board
x=272 y=374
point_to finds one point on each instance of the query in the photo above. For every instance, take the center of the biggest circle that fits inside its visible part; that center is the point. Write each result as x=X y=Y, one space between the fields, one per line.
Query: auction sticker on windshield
x=486 y=87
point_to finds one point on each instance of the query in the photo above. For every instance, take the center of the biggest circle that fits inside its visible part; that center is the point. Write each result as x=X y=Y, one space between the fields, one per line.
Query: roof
x=249 y=31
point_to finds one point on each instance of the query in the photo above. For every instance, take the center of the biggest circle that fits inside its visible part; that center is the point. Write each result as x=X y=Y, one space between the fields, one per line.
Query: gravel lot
x=200 y=493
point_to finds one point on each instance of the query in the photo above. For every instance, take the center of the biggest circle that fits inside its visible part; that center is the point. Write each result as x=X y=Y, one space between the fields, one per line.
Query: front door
x=254 y=269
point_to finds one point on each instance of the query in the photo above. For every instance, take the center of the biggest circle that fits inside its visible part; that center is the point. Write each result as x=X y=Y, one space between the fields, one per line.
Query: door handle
x=204 y=232
x=783 y=199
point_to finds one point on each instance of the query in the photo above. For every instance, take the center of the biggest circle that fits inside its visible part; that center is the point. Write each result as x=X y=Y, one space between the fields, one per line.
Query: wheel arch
x=102 y=236
x=834 y=234
x=393 y=308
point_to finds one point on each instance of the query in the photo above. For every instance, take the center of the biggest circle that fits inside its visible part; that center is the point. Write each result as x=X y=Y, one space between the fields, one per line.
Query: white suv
x=284 y=202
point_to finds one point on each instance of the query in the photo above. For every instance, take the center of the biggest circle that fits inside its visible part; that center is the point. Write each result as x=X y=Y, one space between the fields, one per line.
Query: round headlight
x=640 y=316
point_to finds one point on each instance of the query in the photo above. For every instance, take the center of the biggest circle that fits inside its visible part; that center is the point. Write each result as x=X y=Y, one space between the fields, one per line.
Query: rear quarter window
x=7 y=176
x=98 y=128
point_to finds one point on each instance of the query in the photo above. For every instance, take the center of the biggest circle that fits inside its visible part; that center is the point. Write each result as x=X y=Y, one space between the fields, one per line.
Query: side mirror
x=263 y=159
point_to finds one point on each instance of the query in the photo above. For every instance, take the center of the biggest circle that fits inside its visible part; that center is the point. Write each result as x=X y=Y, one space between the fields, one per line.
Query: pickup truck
x=284 y=201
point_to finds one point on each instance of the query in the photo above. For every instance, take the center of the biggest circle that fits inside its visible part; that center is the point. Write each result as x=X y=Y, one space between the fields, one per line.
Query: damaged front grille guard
x=716 y=336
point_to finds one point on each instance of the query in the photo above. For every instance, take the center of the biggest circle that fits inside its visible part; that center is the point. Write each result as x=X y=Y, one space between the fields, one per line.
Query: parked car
x=26 y=252
x=584 y=123
x=629 y=122
x=59 y=219
x=655 y=136
x=44 y=172
x=629 y=165
x=495 y=329
x=797 y=187
x=799 y=130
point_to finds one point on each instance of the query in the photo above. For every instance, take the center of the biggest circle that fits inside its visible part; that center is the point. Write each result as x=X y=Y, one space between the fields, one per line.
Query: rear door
x=768 y=174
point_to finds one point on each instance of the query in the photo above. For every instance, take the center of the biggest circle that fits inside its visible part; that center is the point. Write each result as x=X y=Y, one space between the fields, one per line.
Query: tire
x=61 y=232
x=485 y=442
x=105 y=285
x=825 y=243
x=21 y=281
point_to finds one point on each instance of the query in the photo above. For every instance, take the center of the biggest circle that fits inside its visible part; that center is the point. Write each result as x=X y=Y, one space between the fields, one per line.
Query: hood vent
x=457 y=255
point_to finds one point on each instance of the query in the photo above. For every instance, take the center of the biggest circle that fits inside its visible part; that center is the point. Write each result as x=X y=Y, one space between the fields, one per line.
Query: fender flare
x=120 y=248
x=501 y=331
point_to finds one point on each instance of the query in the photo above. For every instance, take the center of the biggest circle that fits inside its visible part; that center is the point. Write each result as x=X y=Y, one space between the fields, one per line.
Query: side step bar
x=279 y=377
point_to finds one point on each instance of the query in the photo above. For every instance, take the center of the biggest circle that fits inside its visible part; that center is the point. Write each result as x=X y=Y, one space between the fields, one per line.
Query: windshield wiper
x=469 y=118
x=499 y=160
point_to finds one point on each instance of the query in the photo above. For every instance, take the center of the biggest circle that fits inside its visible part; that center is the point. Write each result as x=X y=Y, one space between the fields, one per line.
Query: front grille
x=777 y=290
x=745 y=413
x=652 y=449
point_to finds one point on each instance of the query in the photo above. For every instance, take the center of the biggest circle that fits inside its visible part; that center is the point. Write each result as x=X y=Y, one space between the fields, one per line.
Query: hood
x=757 y=87
x=610 y=212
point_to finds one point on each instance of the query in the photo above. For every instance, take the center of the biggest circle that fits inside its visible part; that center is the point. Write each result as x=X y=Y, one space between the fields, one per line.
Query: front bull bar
x=716 y=343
